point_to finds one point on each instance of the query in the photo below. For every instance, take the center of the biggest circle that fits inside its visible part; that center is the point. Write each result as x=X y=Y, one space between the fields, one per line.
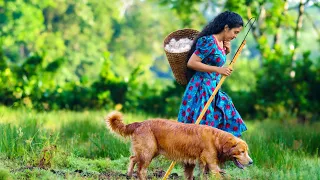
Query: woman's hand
x=224 y=71
x=226 y=46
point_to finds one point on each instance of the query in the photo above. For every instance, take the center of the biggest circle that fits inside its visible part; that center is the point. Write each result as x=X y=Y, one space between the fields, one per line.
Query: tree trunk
x=297 y=30
x=276 y=38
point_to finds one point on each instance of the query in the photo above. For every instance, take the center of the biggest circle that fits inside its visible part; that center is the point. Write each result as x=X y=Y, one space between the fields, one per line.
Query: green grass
x=282 y=151
x=77 y=145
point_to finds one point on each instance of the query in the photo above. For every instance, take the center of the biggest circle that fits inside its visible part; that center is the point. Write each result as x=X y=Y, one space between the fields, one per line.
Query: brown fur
x=186 y=143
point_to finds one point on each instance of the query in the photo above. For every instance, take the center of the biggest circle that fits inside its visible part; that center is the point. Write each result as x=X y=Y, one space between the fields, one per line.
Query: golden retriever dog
x=186 y=143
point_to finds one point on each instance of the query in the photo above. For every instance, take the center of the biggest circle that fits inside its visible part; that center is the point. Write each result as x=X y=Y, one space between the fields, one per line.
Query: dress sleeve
x=205 y=45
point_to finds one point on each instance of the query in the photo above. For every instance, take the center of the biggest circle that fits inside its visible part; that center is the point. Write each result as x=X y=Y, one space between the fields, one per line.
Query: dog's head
x=237 y=150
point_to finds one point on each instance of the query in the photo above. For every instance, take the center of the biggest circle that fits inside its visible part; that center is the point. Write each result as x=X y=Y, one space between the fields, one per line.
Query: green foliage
x=88 y=55
x=237 y=6
x=184 y=9
x=55 y=29
x=285 y=90
x=56 y=63
x=3 y=63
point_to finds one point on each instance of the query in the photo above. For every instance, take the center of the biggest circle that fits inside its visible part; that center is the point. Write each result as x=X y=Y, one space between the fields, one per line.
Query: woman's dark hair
x=216 y=26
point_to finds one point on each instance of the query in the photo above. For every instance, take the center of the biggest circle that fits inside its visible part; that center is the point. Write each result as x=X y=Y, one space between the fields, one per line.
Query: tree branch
x=297 y=29
x=303 y=4
x=278 y=26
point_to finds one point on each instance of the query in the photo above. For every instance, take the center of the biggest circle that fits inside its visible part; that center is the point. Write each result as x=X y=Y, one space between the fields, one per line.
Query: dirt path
x=110 y=175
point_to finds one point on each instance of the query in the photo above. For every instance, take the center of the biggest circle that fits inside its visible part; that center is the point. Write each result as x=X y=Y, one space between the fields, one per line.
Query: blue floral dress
x=221 y=113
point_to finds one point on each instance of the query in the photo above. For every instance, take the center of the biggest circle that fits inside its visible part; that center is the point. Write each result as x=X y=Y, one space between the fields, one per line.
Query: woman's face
x=232 y=33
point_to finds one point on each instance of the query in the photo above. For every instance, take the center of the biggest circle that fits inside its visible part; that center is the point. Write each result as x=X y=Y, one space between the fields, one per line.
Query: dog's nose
x=250 y=162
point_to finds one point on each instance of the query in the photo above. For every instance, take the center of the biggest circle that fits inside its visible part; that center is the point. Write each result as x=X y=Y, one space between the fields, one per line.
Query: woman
x=206 y=59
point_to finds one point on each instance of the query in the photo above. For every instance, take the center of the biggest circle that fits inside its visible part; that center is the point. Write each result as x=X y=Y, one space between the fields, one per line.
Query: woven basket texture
x=178 y=61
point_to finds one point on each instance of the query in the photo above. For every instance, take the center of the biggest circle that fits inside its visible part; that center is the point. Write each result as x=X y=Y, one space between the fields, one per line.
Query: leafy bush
x=284 y=90
x=280 y=90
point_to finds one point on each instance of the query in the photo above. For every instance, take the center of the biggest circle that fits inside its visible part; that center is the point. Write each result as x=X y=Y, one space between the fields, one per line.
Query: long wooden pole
x=165 y=177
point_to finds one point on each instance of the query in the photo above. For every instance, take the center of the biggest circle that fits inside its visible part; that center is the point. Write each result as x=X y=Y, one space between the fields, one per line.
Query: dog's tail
x=115 y=123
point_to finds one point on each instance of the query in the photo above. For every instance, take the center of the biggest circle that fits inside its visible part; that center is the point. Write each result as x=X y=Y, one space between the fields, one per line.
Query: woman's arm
x=196 y=64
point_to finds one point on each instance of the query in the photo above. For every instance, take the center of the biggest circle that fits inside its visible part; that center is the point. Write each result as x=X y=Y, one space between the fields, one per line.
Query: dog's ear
x=229 y=145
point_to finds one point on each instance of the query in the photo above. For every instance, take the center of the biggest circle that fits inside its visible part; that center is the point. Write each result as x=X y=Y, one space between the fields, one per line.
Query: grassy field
x=76 y=145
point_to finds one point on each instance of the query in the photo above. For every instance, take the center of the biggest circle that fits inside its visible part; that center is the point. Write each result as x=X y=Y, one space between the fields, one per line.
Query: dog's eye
x=242 y=151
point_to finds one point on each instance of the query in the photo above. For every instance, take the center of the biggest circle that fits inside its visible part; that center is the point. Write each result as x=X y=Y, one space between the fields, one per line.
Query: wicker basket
x=178 y=61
